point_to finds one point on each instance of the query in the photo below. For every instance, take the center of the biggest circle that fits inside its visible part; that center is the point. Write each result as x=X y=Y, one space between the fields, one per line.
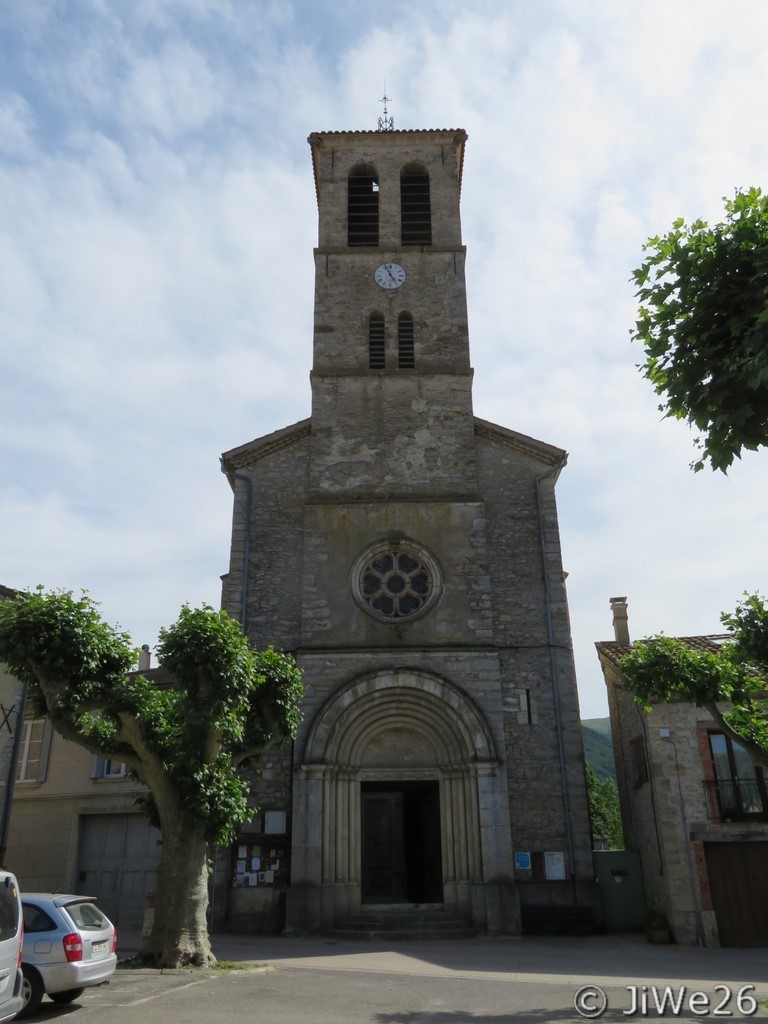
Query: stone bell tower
x=408 y=553
x=391 y=372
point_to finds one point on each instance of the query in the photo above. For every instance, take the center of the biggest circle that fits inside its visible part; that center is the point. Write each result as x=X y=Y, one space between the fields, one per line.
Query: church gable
x=262 y=447
x=540 y=451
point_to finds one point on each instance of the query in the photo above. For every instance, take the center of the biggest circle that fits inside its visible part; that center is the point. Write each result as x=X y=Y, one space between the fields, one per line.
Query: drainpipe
x=553 y=674
x=246 y=543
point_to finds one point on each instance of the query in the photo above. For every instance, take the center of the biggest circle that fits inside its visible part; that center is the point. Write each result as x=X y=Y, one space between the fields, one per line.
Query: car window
x=9 y=911
x=87 y=916
x=36 y=920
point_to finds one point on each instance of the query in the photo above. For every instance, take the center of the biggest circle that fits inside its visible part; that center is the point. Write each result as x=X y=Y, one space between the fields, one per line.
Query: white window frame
x=107 y=768
x=40 y=764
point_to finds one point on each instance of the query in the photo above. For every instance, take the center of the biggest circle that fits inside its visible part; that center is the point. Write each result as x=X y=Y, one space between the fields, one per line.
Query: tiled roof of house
x=610 y=651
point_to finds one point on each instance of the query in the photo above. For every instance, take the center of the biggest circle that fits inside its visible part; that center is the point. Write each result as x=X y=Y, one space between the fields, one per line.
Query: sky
x=157 y=219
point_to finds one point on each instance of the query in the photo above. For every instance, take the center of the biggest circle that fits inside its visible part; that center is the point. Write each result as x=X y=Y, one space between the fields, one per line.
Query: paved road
x=531 y=981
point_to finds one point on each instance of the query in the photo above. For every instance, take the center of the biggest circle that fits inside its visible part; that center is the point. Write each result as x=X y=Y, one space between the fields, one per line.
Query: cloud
x=158 y=217
x=16 y=127
x=172 y=92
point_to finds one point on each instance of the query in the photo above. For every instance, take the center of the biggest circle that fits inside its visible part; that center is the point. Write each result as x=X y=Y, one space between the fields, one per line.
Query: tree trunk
x=179 y=933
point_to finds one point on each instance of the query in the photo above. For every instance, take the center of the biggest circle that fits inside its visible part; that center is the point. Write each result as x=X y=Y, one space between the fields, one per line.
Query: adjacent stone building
x=409 y=554
x=693 y=805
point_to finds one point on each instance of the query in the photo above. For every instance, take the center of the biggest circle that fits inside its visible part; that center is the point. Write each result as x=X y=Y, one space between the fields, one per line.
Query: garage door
x=117 y=863
x=738 y=881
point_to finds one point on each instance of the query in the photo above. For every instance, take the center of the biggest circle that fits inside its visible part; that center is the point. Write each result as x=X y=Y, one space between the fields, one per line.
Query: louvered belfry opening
x=376 y=359
x=415 y=212
x=363 y=206
x=406 y=359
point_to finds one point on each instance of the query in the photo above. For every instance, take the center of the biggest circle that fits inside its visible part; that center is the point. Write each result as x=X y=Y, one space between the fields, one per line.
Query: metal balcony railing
x=737 y=800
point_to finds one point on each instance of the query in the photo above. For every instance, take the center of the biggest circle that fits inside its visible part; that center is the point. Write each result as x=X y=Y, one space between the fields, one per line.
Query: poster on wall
x=554 y=866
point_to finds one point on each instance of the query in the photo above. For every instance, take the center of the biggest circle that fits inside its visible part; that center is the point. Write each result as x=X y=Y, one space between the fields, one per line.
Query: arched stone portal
x=408 y=733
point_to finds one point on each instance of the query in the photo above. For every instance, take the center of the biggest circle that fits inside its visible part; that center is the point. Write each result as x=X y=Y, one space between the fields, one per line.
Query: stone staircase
x=403 y=921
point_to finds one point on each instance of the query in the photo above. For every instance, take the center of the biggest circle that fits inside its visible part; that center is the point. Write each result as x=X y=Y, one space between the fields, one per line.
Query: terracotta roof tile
x=612 y=652
x=395 y=131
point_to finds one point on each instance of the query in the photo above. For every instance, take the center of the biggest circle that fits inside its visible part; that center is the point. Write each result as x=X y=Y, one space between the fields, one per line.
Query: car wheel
x=32 y=990
x=68 y=996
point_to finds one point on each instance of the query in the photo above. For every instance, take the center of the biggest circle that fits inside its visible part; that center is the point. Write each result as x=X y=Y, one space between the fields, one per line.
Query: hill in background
x=598 y=750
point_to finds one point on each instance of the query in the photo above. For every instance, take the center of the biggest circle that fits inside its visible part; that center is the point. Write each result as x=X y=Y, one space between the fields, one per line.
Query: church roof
x=396 y=131
x=522 y=443
x=260 y=447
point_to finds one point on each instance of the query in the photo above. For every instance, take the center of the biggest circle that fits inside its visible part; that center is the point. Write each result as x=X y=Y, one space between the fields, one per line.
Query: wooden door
x=383 y=852
x=738 y=881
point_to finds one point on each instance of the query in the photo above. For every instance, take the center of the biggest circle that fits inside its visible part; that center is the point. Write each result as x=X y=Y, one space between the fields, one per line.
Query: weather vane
x=386 y=123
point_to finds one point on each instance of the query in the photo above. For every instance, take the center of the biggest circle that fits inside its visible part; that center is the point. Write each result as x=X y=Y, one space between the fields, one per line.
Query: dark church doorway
x=401 y=855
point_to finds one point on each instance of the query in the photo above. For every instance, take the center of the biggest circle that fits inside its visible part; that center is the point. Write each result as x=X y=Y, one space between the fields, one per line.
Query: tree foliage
x=703 y=322
x=604 y=810
x=731 y=683
x=185 y=731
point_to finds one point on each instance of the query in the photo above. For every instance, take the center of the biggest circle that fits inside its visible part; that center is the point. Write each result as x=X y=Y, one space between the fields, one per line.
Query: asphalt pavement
x=612 y=960
x=530 y=980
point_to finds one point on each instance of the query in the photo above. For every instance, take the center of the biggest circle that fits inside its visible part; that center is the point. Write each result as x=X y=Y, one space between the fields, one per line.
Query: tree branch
x=755 y=751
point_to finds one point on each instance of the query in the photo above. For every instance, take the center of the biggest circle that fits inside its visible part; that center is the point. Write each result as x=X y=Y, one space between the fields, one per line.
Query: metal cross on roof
x=386 y=123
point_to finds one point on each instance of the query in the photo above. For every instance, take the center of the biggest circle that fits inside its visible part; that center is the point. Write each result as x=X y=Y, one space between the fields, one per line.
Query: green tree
x=731 y=683
x=185 y=731
x=604 y=810
x=703 y=322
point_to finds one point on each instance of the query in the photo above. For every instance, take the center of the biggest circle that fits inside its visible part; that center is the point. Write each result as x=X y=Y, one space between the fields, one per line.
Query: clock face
x=389 y=275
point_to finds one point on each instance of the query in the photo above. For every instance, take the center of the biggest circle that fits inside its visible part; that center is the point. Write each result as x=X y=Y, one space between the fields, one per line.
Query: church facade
x=408 y=553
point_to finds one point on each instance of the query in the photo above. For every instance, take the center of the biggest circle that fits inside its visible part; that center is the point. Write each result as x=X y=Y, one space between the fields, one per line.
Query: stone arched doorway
x=391 y=761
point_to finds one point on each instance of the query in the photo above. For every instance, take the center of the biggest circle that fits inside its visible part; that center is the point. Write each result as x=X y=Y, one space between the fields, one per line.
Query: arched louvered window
x=405 y=354
x=376 y=360
x=415 y=211
x=363 y=206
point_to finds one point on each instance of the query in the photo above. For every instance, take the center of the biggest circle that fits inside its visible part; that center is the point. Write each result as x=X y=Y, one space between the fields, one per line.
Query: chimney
x=620 y=621
x=145 y=658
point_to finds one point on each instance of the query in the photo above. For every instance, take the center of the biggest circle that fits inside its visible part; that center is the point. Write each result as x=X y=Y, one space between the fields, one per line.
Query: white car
x=11 y=981
x=69 y=945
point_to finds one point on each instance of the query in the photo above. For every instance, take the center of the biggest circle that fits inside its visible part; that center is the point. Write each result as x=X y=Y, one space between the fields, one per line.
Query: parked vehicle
x=11 y=934
x=69 y=945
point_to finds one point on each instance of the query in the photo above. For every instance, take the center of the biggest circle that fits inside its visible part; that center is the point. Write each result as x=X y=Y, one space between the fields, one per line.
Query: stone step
x=402 y=926
x=412 y=934
x=407 y=922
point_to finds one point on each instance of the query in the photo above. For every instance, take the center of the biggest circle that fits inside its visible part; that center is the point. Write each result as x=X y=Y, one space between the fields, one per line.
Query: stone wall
x=539 y=716
x=270 y=484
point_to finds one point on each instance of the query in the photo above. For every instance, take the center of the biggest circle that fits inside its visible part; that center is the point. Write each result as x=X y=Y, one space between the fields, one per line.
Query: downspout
x=553 y=674
x=246 y=542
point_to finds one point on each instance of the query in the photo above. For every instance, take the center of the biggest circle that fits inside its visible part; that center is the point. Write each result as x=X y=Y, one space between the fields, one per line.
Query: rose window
x=393 y=582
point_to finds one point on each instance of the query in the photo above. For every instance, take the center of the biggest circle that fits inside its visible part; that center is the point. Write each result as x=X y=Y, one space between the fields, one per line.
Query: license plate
x=99 y=947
